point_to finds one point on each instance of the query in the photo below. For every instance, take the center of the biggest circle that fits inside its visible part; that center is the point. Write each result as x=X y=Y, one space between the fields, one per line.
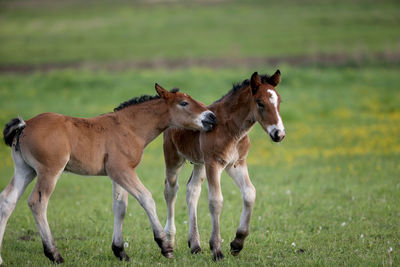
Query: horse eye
x=183 y=103
x=260 y=105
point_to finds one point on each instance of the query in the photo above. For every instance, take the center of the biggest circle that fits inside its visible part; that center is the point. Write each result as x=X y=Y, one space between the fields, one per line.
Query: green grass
x=332 y=187
x=338 y=164
x=63 y=32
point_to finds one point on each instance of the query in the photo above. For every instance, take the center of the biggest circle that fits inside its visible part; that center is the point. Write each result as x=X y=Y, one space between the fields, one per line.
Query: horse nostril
x=209 y=121
x=212 y=117
x=276 y=135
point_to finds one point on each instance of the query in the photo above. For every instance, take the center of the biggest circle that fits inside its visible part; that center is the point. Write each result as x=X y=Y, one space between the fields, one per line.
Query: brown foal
x=224 y=148
x=111 y=144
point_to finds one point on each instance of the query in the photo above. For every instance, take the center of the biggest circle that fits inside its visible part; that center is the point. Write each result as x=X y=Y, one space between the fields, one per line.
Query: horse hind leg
x=120 y=204
x=38 y=202
x=23 y=175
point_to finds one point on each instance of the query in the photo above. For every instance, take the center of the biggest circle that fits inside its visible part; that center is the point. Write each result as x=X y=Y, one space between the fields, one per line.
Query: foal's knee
x=171 y=188
x=215 y=204
x=192 y=192
x=6 y=206
x=31 y=203
x=147 y=201
x=8 y=201
x=34 y=203
x=249 y=196
x=119 y=208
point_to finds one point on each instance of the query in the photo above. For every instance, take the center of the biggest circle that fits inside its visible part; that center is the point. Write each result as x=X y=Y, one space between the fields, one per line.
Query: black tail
x=13 y=128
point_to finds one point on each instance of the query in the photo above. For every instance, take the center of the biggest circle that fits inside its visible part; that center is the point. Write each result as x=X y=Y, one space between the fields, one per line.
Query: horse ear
x=255 y=82
x=161 y=91
x=276 y=78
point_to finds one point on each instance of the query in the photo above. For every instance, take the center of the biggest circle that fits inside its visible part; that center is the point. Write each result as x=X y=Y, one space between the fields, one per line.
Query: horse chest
x=231 y=155
x=225 y=155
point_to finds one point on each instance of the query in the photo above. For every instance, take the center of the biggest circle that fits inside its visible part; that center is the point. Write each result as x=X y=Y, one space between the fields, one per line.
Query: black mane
x=238 y=86
x=140 y=99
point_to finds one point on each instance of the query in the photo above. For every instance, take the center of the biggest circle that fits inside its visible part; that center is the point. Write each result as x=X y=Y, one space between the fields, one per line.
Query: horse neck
x=147 y=120
x=236 y=113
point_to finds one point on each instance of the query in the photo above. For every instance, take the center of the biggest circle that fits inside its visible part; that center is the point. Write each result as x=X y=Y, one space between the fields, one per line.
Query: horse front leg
x=120 y=204
x=240 y=175
x=170 y=191
x=128 y=179
x=193 y=190
x=215 y=200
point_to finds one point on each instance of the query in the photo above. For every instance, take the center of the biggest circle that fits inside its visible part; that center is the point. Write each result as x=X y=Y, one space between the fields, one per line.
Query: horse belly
x=87 y=154
x=192 y=157
x=86 y=164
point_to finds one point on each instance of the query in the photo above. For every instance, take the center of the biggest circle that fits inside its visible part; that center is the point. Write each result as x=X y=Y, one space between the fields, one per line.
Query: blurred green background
x=328 y=195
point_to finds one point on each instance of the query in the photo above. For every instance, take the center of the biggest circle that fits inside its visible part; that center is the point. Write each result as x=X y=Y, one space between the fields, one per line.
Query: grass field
x=328 y=195
x=32 y=33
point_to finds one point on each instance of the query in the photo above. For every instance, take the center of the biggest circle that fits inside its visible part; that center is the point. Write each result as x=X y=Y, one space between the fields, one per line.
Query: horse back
x=52 y=139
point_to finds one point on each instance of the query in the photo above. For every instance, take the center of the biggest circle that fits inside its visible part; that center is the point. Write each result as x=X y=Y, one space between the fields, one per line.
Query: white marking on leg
x=147 y=202
x=120 y=204
x=23 y=175
x=170 y=191
x=129 y=180
x=241 y=177
x=193 y=190
x=215 y=201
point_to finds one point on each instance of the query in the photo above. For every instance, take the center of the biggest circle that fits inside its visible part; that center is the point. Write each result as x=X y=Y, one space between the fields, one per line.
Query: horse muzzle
x=277 y=135
x=209 y=121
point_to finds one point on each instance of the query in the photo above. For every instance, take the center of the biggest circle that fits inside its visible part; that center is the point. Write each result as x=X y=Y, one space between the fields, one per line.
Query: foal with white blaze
x=224 y=148
x=110 y=144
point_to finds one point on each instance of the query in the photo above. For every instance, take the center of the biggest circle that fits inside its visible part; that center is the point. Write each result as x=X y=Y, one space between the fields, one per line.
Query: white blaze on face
x=279 y=125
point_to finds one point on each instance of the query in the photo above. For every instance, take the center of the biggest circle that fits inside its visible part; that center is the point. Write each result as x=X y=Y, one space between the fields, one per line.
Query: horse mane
x=141 y=99
x=244 y=84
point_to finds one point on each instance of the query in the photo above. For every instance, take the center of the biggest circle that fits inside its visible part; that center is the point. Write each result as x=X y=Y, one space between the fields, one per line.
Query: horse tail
x=12 y=129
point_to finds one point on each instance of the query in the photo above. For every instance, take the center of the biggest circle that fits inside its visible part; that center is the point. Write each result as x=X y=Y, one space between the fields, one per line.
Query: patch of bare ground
x=335 y=59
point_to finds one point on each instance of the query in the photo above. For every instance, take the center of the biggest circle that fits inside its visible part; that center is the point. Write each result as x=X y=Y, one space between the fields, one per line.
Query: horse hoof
x=168 y=255
x=236 y=247
x=124 y=257
x=195 y=250
x=58 y=260
x=235 y=252
x=120 y=253
x=218 y=255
